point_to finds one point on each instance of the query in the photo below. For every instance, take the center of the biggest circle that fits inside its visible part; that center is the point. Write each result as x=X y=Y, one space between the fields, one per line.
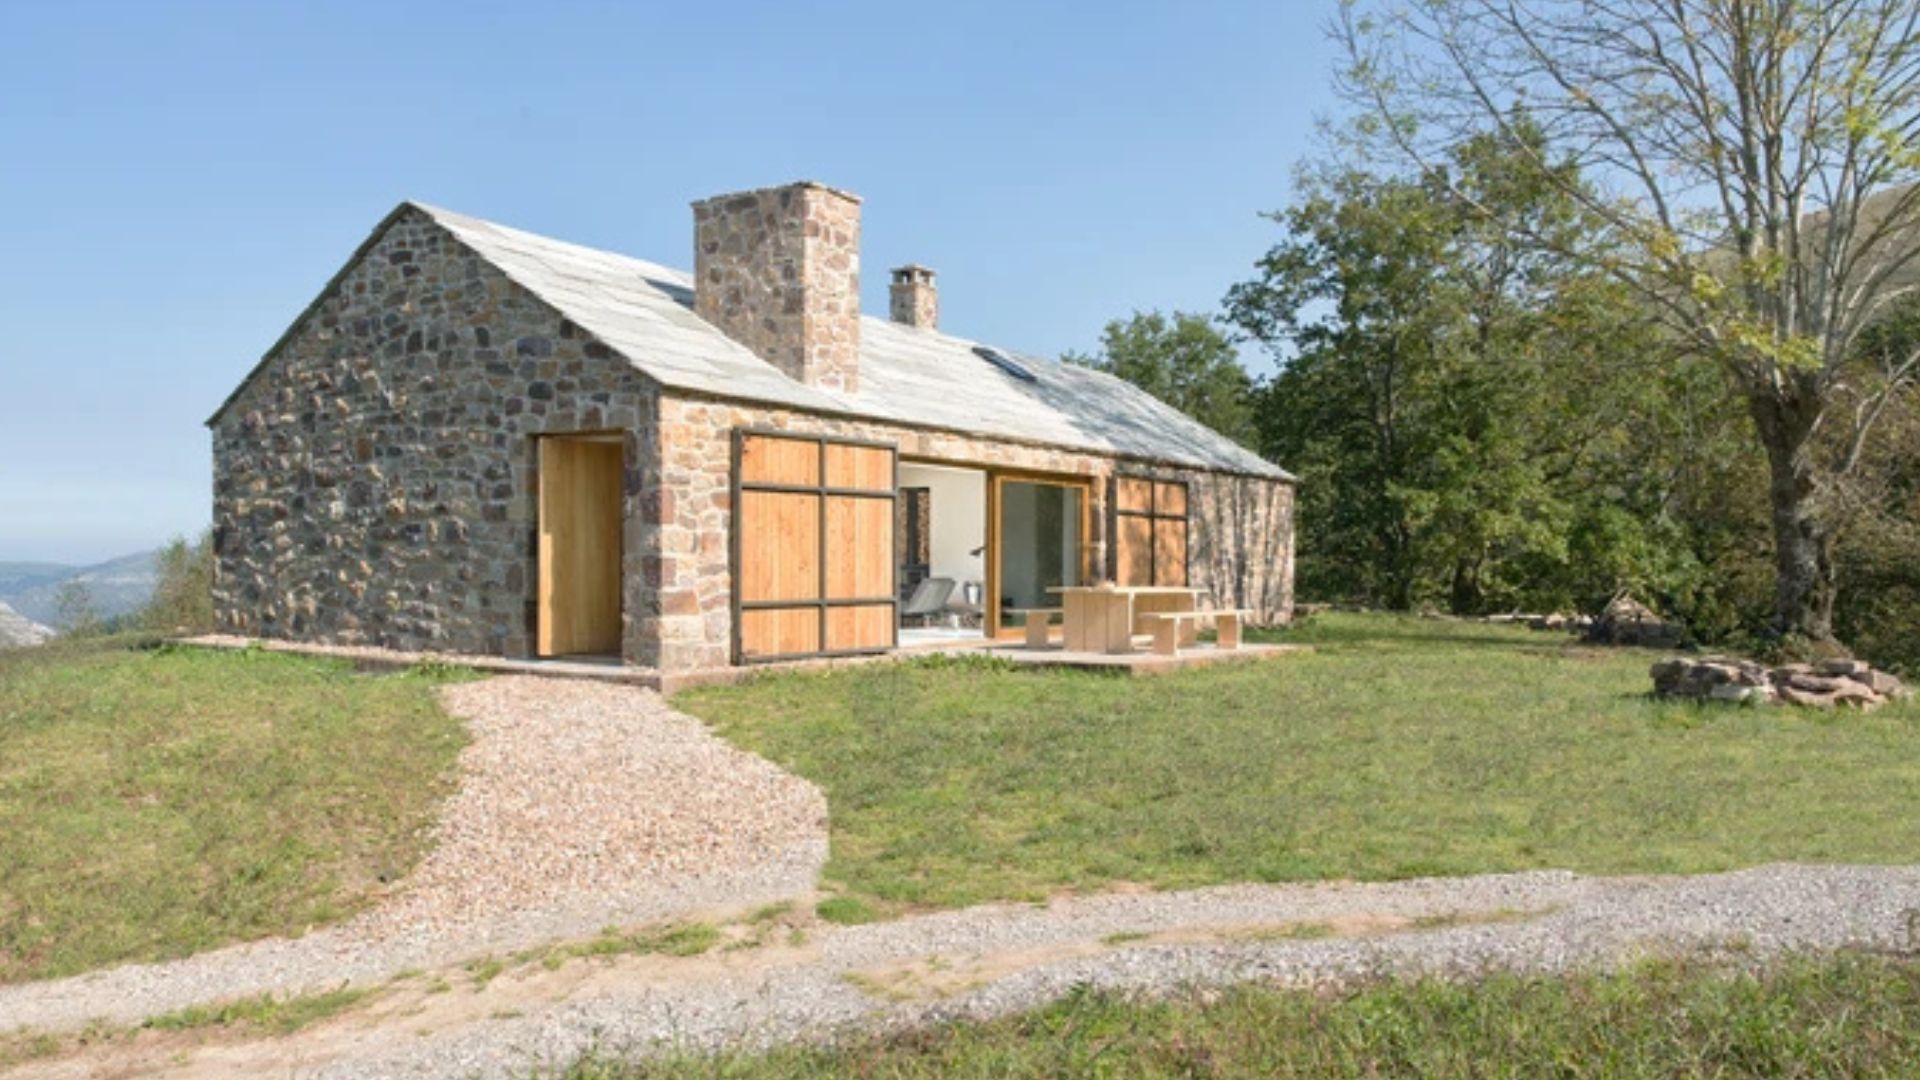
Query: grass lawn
x=155 y=803
x=1838 y=1016
x=1400 y=747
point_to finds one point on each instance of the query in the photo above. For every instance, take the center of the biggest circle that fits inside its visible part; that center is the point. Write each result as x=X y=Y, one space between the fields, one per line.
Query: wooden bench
x=1172 y=629
x=1036 y=620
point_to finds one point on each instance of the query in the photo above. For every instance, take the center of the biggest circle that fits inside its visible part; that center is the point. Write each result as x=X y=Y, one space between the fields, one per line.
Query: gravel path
x=991 y=960
x=581 y=805
x=1003 y=959
x=576 y=789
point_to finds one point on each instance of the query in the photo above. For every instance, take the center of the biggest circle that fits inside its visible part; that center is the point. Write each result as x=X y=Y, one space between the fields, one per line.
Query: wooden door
x=581 y=490
x=813 y=546
x=1149 y=531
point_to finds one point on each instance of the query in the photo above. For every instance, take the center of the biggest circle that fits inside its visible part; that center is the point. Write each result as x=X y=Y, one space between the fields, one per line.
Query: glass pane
x=1039 y=546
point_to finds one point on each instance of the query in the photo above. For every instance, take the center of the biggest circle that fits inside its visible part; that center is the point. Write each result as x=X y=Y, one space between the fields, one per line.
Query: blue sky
x=178 y=180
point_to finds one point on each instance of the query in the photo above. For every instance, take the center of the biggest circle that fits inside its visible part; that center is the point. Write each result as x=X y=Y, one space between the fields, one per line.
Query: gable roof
x=908 y=375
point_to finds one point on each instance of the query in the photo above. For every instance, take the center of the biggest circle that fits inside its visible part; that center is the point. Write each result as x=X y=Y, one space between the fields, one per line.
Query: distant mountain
x=18 y=576
x=118 y=586
x=16 y=630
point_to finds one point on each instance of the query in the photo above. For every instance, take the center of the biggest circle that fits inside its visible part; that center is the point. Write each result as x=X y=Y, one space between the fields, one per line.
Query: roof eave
x=1278 y=475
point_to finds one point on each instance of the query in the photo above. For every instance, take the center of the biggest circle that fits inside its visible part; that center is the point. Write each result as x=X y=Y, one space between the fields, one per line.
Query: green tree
x=1185 y=361
x=183 y=592
x=1477 y=422
x=1752 y=163
x=1877 y=556
x=1350 y=290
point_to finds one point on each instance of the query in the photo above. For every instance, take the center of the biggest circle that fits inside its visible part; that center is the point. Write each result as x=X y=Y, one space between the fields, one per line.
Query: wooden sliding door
x=813 y=554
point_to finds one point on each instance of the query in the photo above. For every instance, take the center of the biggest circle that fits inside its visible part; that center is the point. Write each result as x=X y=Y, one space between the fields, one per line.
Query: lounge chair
x=929 y=599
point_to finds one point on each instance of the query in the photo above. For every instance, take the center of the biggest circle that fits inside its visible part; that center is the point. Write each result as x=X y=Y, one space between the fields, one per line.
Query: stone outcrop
x=18 y=631
x=1627 y=621
x=1824 y=685
x=1556 y=620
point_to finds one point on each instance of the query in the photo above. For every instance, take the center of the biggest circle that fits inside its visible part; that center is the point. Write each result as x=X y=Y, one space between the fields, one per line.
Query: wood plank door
x=813 y=548
x=581 y=494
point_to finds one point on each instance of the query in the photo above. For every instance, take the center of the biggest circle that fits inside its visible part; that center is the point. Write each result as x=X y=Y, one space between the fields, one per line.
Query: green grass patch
x=1834 y=1016
x=845 y=910
x=1299 y=931
x=154 y=803
x=671 y=939
x=265 y=1013
x=771 y=912
x=21 y=1045
x=1399 y=747
x=485 y=970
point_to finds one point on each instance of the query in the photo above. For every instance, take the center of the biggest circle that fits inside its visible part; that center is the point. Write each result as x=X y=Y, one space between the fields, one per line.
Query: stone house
x=478 y=440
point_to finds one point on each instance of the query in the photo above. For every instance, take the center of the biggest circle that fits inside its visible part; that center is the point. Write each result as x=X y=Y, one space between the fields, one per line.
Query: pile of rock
x=1551 y=621
x=1823 y=685
x=1627 y=621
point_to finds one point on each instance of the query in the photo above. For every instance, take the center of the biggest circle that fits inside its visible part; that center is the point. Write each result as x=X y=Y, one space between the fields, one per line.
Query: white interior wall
x=959 y=519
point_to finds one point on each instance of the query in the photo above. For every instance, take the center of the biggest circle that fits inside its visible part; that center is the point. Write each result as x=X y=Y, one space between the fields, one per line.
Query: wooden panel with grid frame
x=813 y=546
x=1150 y=531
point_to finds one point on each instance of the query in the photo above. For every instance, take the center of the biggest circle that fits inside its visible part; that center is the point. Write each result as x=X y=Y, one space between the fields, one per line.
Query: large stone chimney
x=778 y=270
x=912 y=298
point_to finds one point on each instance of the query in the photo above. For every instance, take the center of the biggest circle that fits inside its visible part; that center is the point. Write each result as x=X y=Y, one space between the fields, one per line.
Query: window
x=913 y=536
x=1005 y=363
x=1149 y=531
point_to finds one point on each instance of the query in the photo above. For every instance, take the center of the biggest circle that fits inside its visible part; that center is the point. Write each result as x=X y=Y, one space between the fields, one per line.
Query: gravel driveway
x=1005 y=959
x=581 y=805
x=991 y=960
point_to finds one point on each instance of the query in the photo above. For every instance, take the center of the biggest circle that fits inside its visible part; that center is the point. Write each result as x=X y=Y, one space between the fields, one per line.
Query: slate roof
x=909 y=375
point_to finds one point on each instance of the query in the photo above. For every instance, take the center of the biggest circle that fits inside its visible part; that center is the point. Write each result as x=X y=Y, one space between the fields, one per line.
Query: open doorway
x=940 y=533
x=581 y=493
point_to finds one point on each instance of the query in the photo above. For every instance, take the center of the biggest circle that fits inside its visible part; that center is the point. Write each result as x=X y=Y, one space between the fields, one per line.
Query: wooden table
x=1104 y=618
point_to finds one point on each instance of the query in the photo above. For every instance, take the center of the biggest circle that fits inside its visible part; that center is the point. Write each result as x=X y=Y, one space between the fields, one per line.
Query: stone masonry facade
x=778 y=270
x=376 y=482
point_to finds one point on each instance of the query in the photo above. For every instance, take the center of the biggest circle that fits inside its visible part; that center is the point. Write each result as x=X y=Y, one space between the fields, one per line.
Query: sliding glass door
x=1039 y=542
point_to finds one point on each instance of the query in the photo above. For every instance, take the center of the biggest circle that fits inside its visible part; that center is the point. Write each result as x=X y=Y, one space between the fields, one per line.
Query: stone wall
x=778 y=270
x=1240 y=548
x=377 y=483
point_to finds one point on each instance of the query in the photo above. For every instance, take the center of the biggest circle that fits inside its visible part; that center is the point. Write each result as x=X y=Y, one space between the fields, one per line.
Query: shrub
x=183 y=592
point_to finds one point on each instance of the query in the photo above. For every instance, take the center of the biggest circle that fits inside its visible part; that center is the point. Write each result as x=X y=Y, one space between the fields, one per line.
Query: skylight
x=1004 y=362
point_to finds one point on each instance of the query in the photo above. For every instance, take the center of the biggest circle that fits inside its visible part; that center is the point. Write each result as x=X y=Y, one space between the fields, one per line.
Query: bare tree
x=1754 y=163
